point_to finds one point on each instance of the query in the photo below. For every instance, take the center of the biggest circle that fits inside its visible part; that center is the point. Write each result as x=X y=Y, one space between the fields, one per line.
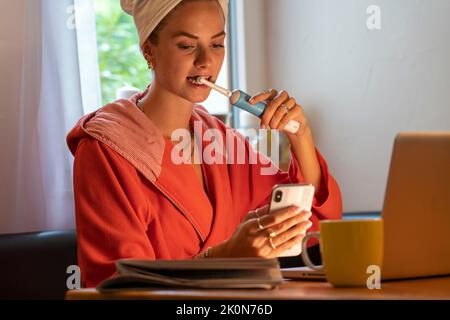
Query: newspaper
x=242 y=273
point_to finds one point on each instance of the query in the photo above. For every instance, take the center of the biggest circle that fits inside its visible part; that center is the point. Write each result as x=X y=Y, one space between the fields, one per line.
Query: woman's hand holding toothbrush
x=281 y=108
x=283 y=120
x=278 y=110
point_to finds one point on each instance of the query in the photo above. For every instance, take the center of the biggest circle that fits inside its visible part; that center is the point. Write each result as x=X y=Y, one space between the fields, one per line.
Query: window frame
x=88 y=63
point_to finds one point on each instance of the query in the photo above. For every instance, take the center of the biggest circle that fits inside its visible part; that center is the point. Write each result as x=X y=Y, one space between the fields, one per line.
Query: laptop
x=416 y=210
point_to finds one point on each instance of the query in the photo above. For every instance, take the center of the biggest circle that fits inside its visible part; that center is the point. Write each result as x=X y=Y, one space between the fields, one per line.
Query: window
x=120 y=61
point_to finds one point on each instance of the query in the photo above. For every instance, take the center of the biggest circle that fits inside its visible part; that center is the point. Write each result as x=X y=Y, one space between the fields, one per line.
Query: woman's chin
x=200 y=100
x=197 y=98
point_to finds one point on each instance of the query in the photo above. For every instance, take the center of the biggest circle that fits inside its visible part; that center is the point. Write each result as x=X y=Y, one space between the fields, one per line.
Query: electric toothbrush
x=239 y=98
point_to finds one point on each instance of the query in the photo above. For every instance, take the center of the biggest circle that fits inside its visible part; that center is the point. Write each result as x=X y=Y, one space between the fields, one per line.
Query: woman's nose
x=204 y=59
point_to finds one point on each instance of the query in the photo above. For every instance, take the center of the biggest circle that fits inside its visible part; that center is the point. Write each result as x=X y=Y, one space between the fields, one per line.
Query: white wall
x=357 y=87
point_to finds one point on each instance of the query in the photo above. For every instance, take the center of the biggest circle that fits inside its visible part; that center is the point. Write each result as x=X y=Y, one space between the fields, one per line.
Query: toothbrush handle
x=240 y=99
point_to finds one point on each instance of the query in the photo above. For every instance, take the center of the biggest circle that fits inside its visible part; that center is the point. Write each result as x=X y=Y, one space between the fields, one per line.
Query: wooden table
x=427 y=289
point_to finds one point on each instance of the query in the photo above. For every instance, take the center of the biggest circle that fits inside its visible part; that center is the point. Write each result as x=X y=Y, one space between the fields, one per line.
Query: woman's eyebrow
x=185 y=34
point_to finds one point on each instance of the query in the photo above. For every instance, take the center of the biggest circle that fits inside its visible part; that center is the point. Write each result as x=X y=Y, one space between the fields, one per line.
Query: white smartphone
x=287 y=195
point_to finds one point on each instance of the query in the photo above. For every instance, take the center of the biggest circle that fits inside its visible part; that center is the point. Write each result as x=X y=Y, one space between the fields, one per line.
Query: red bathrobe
x=132 y=201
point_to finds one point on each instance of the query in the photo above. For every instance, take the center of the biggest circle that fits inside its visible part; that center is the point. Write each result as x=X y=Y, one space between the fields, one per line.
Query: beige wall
x=358 y=87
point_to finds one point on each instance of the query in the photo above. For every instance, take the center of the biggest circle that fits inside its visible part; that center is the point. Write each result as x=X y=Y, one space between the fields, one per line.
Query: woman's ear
x=148 y=54
x=149 y=60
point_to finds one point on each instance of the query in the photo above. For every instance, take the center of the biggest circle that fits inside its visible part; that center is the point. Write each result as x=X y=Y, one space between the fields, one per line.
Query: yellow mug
x=350 y=250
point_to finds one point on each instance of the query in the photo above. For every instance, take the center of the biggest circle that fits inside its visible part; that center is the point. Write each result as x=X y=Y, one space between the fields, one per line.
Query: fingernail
x=263 y=126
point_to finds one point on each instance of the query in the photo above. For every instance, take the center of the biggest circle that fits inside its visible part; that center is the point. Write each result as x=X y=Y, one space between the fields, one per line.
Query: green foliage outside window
x=120 y=60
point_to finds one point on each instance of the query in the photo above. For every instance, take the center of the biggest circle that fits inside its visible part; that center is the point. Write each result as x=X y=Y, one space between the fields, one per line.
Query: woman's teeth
x=196 y=80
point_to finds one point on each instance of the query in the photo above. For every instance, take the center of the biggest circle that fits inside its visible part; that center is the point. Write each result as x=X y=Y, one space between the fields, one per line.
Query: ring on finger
x=271 y=233
x=286 y=107
x=272 y=244
x=258 y=220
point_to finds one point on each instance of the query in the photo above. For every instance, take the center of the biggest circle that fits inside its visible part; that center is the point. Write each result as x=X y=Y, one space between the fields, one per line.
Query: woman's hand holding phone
x=268 y=235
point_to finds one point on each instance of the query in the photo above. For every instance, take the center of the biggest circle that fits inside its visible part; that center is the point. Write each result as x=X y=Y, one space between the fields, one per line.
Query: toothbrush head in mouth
x=212 y=85
x=205 y=82
x=197 y=80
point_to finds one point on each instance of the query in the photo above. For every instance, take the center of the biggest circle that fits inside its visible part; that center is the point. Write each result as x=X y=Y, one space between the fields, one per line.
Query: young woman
x=134 y=201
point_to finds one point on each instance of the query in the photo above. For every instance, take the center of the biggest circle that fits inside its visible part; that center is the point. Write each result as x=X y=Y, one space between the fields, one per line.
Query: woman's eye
x=188 y=47
x=185 y=47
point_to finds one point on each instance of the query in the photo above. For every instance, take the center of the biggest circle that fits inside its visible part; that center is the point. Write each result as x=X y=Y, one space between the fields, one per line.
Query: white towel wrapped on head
x=148 y=14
